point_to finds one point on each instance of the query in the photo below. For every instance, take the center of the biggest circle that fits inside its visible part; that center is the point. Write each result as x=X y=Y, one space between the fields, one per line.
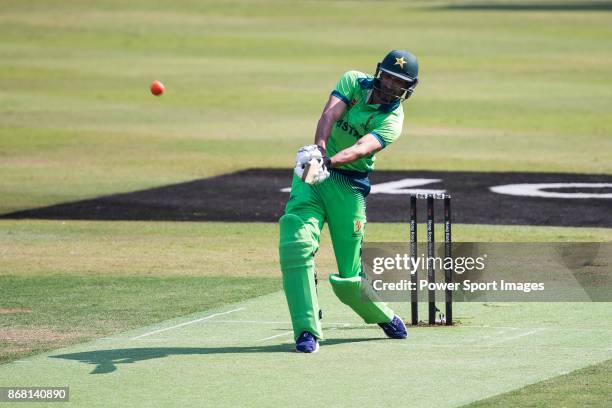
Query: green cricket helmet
x=400 y=64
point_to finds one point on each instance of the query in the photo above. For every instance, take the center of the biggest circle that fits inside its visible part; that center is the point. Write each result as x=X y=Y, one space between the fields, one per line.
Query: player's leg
x=300 y=229
x=346 y=218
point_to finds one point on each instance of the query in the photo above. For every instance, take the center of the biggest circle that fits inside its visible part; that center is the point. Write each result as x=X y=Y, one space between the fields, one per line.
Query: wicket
x=431 y=271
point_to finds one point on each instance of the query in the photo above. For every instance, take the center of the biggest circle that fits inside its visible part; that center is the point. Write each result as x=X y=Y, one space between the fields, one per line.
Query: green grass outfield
x=246 y=81
x=524 y=87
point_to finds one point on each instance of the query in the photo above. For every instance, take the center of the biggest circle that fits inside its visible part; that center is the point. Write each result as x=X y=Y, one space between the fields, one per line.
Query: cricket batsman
x=362 y=116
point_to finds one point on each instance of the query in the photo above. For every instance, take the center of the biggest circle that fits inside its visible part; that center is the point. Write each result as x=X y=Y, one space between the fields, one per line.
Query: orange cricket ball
x=157 y=88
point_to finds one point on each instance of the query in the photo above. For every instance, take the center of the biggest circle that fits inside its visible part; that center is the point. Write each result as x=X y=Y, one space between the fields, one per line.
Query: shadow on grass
x=534 y=6
x=106 y=361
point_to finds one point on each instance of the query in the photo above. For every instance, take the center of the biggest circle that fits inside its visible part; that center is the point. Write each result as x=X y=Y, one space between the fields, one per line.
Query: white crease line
x=277 y=335
x=516 y=337
x=291 y=331
x=186 y=323
x=273 y=322
x=154 y=340
x=251 y=321
x=491 y=327
x=482 y=346
x=538 y=328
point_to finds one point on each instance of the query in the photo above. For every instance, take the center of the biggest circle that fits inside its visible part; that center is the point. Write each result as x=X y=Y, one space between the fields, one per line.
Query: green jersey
x=382 y=121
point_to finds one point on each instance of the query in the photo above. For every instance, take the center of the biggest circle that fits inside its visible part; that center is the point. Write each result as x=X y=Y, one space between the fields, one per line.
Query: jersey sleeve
x=345 y=89
x=389 y=130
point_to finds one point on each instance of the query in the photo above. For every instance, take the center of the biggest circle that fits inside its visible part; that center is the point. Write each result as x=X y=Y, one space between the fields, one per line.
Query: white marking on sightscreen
x=403 y=186
x=186 y=323
x=406 y=186
x=535 y=190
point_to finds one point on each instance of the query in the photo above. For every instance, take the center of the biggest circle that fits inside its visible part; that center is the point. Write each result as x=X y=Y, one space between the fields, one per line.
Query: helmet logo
x=400 y=61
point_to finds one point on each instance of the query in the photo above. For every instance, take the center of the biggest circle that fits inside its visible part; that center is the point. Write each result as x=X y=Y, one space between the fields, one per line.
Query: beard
x=384 y=97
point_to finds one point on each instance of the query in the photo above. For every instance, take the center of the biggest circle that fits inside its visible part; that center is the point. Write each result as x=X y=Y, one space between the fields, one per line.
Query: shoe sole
x=394 y=337
x=311 y=352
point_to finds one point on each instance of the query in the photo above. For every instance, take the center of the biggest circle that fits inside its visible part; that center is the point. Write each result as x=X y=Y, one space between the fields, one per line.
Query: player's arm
x=365 y=146
x=333 y=110
x=312 y=166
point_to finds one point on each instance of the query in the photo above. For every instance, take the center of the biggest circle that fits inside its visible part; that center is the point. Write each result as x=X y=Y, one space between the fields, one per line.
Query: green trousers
x=342 y=205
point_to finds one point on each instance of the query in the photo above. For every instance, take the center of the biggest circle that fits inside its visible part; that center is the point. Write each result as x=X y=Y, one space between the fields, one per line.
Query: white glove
x=311 y=165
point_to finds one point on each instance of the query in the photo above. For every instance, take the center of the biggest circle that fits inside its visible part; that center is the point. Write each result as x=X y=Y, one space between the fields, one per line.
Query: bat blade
x=310 y=171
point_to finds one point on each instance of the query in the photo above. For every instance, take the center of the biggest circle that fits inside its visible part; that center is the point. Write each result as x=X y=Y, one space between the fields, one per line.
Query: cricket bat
x=311 y=169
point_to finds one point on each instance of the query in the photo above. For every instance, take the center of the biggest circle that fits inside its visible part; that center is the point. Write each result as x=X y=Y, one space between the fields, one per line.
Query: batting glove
x=311 y=164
